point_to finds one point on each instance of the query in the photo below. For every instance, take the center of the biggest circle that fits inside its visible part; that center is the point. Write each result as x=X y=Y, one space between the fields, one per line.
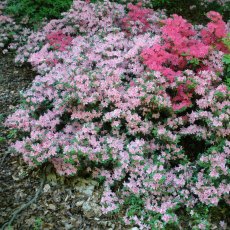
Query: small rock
x=30 y=221
x=68 y=226
x=85 y=187
x=51 y=177
x=87 y=190
x=91 y=209
x=79 y=203
x=46 y=188
x=51 y=207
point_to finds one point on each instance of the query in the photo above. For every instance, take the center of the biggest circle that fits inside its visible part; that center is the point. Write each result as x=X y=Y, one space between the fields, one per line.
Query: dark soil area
x=64 y=203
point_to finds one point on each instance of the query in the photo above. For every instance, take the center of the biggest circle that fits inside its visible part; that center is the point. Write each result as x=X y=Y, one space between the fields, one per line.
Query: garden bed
x=124 y=117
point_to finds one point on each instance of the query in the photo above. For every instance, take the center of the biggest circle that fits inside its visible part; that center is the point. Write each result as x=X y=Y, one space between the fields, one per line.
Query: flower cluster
x=215 y=31
x=137 y=16
x=105 y=99
x=59 y=41
x=180 y=50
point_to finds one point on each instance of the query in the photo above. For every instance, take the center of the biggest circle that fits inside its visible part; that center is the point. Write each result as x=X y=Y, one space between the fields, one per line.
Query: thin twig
x=26 y=205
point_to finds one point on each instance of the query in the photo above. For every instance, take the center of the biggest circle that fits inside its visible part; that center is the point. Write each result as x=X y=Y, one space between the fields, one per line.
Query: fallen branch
x=26 y=205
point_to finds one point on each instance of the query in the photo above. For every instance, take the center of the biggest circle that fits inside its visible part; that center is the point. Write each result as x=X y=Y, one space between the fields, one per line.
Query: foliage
x=130 y=97
x=194 y=10
x=226 y=61
x=37 y=224
x=34 y=11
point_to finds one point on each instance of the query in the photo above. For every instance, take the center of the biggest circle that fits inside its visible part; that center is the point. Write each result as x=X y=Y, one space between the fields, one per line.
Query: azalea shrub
x=137 y=100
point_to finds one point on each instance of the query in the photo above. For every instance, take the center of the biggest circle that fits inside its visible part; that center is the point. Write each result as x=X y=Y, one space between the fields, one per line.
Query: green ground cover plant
x=34 y=11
